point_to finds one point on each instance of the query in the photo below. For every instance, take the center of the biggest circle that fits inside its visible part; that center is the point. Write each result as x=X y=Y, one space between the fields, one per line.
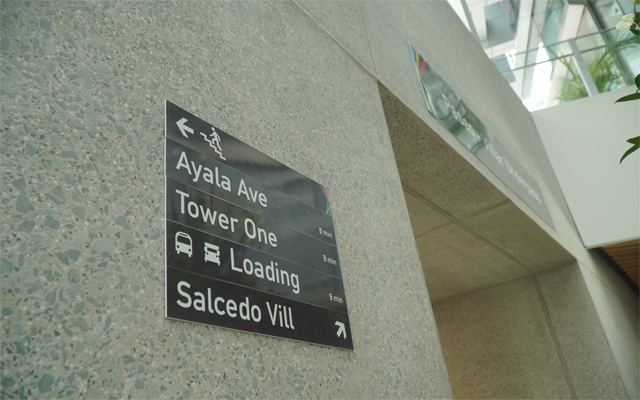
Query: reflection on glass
x=540 y=83
x=609 y=12
x=448 y=108
x=550 y=75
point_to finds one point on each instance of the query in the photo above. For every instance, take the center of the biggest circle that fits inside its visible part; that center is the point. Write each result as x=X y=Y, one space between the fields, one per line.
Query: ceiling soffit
x=468 y=233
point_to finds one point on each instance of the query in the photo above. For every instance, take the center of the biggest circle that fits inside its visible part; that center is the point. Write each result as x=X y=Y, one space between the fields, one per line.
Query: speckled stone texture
x=82 y=206
x=575 y=322
x=534 y=337
x=512 y=357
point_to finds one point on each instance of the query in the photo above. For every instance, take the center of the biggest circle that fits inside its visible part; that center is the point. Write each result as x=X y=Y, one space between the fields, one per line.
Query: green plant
x=603 y=70
x=635 y=141
x=632 y=23
x=605 y=73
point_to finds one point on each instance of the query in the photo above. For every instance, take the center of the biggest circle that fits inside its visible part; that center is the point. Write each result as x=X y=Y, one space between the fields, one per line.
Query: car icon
x=211 y=253
x=183 y=244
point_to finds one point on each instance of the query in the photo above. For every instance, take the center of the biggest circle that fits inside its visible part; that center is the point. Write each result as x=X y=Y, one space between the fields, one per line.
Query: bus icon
x=183 y=243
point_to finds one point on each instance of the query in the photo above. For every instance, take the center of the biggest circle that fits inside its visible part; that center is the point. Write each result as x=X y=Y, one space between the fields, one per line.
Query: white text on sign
x=278 y=314
x=220 y=180
x=197 y=211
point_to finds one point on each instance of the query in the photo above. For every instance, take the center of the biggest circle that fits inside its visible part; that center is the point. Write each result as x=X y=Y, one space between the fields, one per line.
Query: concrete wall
x=447 y=194
x=534 y=337
x=457 y=58
x=603 y=193
x=486 y=268
x=83 y=85
x=82 y=90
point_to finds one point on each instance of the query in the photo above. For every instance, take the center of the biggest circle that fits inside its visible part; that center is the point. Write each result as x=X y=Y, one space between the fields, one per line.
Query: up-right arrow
x=341 y=330
x=183 y=127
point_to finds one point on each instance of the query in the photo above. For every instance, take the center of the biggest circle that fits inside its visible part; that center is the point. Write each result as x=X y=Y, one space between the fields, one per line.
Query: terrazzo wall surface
x=82 y=207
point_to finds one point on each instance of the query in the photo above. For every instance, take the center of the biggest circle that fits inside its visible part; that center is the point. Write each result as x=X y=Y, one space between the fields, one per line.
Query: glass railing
x=572 y=69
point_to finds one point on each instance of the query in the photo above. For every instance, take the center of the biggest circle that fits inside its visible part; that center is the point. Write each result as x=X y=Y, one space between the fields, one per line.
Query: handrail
x=557 y=43
x=563 y=56
x=618 y=71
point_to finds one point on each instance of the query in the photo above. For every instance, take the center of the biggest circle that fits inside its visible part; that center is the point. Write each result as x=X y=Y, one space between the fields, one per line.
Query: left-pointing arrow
x=341 y=330
x=184 y=128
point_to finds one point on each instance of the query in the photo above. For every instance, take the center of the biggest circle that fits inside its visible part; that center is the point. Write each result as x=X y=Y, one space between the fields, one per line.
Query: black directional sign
x=215 y=178
x=250 y=243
